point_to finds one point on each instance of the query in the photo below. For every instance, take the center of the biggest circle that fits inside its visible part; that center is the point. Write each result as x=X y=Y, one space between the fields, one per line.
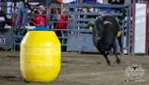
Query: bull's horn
x=91 y=23
x=107 y=22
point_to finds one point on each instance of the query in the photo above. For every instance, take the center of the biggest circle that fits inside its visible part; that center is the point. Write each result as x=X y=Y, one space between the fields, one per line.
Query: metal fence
x=78 y=26
x=78 y=37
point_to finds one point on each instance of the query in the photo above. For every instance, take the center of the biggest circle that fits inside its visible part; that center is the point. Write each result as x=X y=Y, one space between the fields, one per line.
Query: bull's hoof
x=118 y=61
x=109 y=63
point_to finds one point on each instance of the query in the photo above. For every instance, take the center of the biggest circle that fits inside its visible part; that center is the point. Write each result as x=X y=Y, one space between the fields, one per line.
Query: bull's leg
x=118 y=61
x=106 y=57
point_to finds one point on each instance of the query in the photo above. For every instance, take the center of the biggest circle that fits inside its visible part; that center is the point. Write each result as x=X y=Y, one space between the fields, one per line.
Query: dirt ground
x=76 y=69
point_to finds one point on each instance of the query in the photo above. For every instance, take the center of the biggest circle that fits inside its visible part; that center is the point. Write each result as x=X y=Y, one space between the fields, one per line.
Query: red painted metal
x=147 y=15
x=133 y=22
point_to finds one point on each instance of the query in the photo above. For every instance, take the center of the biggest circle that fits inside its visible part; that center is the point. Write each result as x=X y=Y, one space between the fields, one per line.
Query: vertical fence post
x=133 y=26
x=47 y=12
x=147 y=27
x=12 y=8
x=67 y=31
x=148 y=20
x=123 y=31
x=13 y=29
x=129 y=29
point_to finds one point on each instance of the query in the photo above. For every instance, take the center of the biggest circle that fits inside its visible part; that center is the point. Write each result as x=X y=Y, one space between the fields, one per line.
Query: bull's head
x=98 y=29
x=96 y=34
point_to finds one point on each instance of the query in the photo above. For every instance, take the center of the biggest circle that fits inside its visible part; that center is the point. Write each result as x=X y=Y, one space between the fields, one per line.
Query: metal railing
x=76 y=25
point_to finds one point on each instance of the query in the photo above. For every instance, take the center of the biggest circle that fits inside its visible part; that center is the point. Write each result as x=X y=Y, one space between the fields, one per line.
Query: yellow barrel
x=40 y=56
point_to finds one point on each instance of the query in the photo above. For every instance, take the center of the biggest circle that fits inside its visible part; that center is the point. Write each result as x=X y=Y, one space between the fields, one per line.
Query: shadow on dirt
x=64 y=61
x=10 y=56
x=78 y=62
x=12 y=78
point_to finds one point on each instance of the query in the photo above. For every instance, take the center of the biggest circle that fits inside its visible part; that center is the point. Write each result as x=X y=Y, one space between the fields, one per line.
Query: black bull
x=105 y=30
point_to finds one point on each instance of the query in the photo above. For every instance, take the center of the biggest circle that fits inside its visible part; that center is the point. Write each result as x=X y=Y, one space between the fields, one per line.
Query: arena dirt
x=85 y=69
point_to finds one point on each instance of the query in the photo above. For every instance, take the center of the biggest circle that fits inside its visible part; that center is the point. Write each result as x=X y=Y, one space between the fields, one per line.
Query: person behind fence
x=22 y=11
x=62 y=24
x=63 y=20
x=14 y=18
x=85 y=10
x=40 y=20
x=55 y=14
x=3 y=19
x=32 y=13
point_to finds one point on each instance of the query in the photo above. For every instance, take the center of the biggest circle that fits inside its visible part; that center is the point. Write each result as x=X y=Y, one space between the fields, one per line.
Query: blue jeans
x=22 y=12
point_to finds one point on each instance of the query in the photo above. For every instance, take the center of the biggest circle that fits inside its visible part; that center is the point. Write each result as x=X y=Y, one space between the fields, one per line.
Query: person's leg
x=117 y=45
x=62 y=40
x=18 y=18
x=25 y=17
x=115 y=51
x=65 y=40
x=120 y=43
